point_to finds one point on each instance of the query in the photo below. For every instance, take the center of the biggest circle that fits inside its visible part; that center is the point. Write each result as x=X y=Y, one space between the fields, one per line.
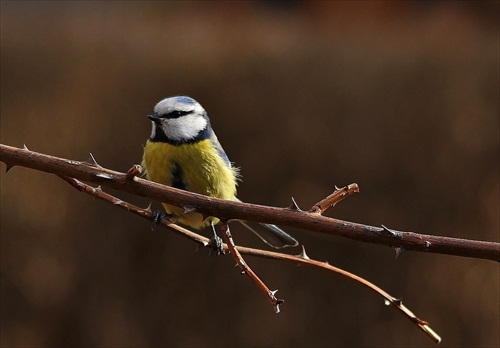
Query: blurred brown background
x=399 y=97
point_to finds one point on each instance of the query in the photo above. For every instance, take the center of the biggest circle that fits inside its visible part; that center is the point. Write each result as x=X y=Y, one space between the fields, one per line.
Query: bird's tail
x=272 y=235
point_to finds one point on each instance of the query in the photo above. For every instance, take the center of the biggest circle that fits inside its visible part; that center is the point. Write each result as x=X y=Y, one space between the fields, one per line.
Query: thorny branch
x=292 y=216
x=236 y=251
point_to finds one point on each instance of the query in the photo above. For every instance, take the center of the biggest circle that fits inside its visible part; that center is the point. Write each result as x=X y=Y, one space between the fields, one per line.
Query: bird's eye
x=177 y=113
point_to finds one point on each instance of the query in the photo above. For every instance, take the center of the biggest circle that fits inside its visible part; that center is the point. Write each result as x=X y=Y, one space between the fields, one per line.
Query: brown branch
x=301 y=259
x=227 y=210
x=338 y=195
x=245 y=268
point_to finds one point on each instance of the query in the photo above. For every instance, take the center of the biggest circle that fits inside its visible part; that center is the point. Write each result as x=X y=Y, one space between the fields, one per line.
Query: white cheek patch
x=184 y=128
x=153 y=130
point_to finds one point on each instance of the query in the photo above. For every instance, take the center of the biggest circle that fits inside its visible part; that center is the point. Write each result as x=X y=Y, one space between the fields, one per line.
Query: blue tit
x=183 y=152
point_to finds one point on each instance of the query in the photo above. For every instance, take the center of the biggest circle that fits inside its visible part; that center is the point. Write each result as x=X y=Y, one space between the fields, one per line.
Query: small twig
x=338 y=195
x=245 y=268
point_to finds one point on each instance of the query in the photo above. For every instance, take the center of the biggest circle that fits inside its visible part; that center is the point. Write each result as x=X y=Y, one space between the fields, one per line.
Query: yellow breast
x=199 y=166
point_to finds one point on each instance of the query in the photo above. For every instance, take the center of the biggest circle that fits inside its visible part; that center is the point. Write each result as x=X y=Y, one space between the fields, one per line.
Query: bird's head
x=178 y=120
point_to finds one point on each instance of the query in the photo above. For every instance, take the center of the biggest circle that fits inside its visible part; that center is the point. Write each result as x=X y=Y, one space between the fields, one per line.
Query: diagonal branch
x=228 y=210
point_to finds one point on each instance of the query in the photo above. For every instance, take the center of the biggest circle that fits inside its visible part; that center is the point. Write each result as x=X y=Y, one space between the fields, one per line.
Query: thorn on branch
x=303 y=254
x=399 y=250
x=294 y=206
x=91 y=161
x=385 y=231
x=103 y=176
x=118 y=202
x=148 y=208
x=278 y=301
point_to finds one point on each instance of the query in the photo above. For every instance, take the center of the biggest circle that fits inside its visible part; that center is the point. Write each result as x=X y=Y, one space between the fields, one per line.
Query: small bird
x=183 y=152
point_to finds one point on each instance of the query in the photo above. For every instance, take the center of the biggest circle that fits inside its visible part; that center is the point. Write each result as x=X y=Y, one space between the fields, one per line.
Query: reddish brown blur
x=399 y=97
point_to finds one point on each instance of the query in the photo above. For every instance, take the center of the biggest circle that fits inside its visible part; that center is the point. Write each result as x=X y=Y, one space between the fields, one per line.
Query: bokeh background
x=399 y=97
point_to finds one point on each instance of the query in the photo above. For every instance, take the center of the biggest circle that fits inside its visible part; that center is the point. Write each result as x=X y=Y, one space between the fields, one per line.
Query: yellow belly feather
x=203 y=172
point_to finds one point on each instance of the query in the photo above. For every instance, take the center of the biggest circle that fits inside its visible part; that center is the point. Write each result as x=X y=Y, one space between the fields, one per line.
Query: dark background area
x=399 y=97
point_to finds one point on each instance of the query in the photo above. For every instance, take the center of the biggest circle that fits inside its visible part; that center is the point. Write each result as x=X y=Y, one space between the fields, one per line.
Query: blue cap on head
x=185 y=100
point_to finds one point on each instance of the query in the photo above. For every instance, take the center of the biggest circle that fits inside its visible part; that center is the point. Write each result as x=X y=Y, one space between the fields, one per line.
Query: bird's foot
x=216 y=243
x=158 y=215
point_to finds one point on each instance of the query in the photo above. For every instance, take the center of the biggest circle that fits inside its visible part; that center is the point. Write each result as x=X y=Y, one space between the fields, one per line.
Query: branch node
x=75 y=163
x=133 y=172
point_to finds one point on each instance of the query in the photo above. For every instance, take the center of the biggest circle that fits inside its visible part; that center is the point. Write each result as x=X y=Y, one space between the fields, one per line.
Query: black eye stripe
x=177 y=114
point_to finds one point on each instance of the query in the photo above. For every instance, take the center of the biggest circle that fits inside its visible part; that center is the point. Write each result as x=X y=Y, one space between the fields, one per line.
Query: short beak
x=154 y=117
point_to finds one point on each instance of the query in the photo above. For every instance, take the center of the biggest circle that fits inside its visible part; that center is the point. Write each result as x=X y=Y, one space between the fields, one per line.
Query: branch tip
x=431 y=333
x=331 y=200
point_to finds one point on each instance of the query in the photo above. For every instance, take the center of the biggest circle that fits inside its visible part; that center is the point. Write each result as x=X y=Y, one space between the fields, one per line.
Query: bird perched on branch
x=183 y=152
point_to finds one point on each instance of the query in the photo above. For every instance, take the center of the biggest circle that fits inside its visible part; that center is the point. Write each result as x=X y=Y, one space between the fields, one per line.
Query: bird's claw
x=217 y=248
x=158 y=215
